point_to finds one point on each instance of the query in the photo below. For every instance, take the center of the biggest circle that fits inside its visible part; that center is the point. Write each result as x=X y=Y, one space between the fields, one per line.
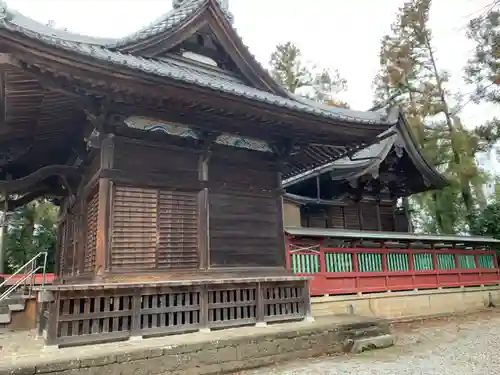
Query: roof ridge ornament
x=179 y=3
x=223 y=4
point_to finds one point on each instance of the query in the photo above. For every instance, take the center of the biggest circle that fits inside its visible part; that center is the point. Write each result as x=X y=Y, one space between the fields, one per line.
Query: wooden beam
x=25 y=183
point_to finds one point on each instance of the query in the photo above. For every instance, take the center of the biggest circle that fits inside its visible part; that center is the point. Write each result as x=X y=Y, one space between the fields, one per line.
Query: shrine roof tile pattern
x=100 y=49
x=165 y=22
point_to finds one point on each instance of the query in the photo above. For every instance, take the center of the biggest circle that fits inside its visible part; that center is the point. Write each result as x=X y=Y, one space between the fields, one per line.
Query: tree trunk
x=464 y=183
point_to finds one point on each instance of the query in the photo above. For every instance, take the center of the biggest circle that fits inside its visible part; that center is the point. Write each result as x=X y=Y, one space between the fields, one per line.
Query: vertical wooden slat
x=179 y=232
x=91 y=217
x=260 y=303
x=203 y=232
x=134 y=232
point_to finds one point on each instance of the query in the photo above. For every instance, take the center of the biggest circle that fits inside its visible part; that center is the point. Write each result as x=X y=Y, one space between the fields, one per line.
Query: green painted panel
x=397 y=262
x=370 y=262
x=338 y=262
x=485 y=261
x=305 y=263
x=466 y=261
x=446 y=261
x=422 y=261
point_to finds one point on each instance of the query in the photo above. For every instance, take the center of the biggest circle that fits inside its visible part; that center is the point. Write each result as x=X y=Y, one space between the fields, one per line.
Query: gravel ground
x=467 y=345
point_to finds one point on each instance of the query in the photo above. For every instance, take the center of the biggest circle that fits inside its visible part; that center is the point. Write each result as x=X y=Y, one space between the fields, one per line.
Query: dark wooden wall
x=77 y=235
x=367 y=215
x=148 y=206
x=245 y=213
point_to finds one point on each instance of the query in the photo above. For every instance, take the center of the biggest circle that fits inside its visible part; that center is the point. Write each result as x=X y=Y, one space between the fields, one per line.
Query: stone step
x=5 y=318
x=16 y=307
x=14 y=303
x=368 y=332
x=372 y=343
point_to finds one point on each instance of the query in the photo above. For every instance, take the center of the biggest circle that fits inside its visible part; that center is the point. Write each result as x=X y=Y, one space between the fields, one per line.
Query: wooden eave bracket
x=25 y=183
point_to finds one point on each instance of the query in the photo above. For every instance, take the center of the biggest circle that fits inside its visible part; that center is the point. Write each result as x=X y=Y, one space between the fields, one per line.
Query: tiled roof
x=361 y=162
x=16 y=18
x=99 y=49
x=167 y=21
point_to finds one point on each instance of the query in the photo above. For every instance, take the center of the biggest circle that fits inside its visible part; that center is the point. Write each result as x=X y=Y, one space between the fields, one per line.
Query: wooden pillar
x=394 y=218
x=377 y=213
x=3 y=232
x=360 y=214
x=204 y=202
x=378 y=189
x=406 y=206
x=318 y=188
x=203 y=230
x=103 y=251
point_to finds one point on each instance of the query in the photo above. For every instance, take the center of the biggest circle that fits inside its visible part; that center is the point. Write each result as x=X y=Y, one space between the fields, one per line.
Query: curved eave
x=25 y=22
x=432 y=178
x=346 y=168
x=114 y=65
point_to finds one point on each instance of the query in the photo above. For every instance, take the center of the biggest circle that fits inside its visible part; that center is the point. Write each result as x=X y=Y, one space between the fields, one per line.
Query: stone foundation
x=207 y=353
x=418 y=303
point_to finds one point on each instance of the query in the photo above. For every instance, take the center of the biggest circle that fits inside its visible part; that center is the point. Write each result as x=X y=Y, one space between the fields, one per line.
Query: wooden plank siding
x=244 y=214
x=370 y=216
x=155 y=207
x=243 y=230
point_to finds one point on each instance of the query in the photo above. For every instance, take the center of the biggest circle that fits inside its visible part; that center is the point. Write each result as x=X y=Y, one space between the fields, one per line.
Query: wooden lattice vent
x=92 y=206
x=154 y=229
x=134 y=225
x=177 y=230
x=152 y=311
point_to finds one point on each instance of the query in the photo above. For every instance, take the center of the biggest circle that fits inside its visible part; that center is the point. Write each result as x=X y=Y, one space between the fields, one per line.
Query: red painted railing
x=38 y=278
x=354 y=270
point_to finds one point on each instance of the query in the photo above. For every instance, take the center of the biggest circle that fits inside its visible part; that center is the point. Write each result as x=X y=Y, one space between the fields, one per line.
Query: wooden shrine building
x=361 y=191
x=165 y=150
x=347 y=226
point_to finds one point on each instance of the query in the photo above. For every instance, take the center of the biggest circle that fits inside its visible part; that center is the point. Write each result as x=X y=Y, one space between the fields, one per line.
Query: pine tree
x=289 y=68
x=483 y=69
x=410 y=77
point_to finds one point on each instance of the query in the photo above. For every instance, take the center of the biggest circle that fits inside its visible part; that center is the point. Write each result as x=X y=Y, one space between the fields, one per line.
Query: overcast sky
x=331 y=33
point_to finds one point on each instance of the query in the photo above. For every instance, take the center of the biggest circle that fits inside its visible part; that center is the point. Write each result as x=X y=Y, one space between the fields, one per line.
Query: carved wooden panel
x=134 y=228
x=92 y=205
x=244 y=230
x=177 y=229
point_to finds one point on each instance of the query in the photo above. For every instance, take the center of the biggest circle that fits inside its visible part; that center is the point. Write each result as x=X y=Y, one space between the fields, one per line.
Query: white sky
x=331 y=33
